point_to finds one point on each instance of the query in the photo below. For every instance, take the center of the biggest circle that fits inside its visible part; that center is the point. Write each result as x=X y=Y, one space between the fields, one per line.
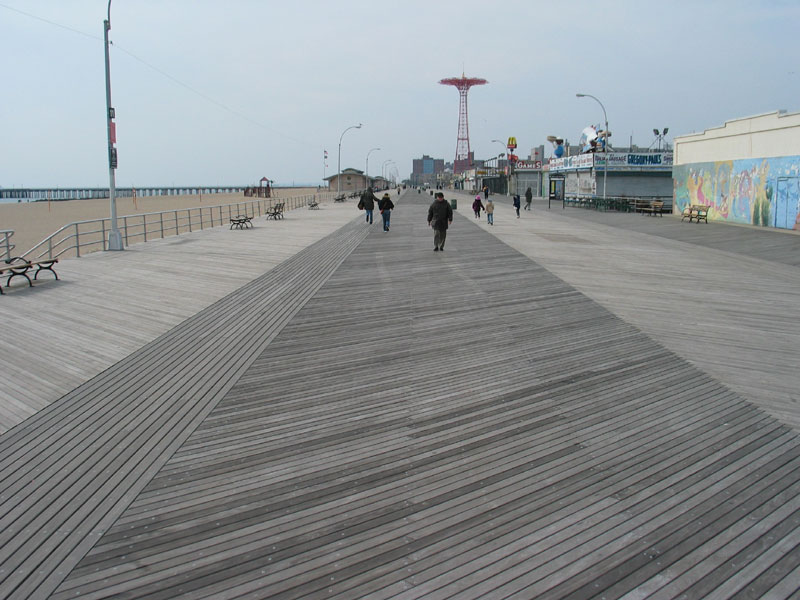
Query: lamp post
x=660 y=137
x=114 y=236
x=605 y=144
x=366 y=170
x=508 y=186
x=339 y=161
x=383 y=166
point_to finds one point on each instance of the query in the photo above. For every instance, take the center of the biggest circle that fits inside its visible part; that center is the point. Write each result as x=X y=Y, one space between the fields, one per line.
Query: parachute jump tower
x=462 y=161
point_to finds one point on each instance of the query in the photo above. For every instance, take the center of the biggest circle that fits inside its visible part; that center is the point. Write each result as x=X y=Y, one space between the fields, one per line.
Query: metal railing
x=5 y=242
x=83 y=237
x=617 y=203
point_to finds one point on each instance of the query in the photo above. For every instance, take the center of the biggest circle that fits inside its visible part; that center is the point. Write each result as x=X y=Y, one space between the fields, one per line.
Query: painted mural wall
x=762 y=191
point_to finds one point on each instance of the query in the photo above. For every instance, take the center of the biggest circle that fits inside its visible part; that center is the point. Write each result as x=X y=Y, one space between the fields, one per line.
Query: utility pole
x=114 y=236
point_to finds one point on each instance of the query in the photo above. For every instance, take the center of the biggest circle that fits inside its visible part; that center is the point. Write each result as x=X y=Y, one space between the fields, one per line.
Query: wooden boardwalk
x=107 y=305
x=723 y=297
x=372 y=419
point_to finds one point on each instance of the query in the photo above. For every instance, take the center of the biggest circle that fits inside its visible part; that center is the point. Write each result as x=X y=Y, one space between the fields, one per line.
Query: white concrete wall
x=770 y=135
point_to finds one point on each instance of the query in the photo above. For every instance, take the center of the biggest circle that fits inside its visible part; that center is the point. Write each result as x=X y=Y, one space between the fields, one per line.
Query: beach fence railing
x=82 y=237
x=5 y=242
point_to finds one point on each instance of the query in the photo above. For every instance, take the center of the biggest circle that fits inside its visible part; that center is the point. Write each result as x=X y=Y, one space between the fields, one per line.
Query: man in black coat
x=440 y=215
x=368 y=200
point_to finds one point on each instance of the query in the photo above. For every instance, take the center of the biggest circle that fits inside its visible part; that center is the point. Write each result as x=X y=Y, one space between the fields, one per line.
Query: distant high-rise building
x=426 y=170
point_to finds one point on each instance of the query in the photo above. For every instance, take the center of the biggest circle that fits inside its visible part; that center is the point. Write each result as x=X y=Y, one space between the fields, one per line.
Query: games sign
x=529 y=164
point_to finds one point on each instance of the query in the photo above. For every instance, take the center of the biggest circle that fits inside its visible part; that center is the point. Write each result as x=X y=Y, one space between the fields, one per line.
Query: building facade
x=352 y=180
x=426 y=170
x=747 y=171
x=630 y=175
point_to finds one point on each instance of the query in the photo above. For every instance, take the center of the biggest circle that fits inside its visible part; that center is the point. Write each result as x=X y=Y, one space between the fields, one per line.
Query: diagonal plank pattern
x=69 y=471
x=461 y=424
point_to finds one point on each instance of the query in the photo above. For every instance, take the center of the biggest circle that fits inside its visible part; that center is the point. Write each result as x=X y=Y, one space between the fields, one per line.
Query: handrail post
x=161 y=218
x=144 y=225
x=125 y=225
x=176 y=223
x=77 y=242
x=7 y=243
x=189 y=214
x=103 y=229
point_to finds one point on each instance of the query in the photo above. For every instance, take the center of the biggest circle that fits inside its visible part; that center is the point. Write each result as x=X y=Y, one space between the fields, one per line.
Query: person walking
x=368 y=200
x=489 y=212
x=486 y=192
x=477 y=206
x=440 y=216
x=528 y=198
x=385 y=206
x=516 y=204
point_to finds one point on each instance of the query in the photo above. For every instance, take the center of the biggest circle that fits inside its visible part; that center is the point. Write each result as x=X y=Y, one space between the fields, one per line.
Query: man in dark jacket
x=440 y=215
x=368 y=200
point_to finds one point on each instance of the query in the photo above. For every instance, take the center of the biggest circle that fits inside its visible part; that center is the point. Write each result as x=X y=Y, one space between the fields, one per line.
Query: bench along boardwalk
x=389 y=422
x=18 y=267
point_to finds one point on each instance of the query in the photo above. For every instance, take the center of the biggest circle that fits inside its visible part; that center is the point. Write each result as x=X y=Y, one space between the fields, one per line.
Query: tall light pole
x=339 y=164
x=383 y=166
x=366 y=170
x=605 y=142
x=114 y=236
x=508 y=186
x=660 y=136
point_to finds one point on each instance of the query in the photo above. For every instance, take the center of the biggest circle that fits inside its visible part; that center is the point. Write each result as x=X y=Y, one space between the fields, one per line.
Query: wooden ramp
x=373 y=419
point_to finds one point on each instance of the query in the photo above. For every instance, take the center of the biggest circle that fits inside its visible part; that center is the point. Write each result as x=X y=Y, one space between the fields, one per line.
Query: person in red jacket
x=477 y=206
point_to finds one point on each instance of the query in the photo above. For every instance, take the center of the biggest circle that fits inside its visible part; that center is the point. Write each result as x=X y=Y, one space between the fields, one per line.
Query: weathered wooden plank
x=146 y=439
x=564 y=432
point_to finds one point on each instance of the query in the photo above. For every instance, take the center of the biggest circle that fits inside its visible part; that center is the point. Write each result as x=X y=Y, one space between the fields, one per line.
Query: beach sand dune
x=32 y=222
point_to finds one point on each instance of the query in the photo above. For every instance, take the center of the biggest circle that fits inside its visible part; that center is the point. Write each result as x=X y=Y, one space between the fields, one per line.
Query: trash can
x=453 y=203
x=430 y=192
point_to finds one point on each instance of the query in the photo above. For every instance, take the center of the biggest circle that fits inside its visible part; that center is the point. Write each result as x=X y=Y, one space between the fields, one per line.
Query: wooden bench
x=313 y=204
x=696 y=212
x=340 y=198
x=276 y=212
x=654 y=208
x=241 y=222
x=19 y=267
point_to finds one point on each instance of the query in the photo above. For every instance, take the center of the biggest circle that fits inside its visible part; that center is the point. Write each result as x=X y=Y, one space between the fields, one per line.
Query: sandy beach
x=34 y=221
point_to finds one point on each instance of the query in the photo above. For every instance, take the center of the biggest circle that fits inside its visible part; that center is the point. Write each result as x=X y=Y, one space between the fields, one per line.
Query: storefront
x=630 y=175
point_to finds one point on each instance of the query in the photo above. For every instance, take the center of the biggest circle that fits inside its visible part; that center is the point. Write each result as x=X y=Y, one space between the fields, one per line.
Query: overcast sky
x=209 y=92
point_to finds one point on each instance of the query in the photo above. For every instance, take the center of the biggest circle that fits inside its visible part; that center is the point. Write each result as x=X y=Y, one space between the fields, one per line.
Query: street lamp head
x=580 y=95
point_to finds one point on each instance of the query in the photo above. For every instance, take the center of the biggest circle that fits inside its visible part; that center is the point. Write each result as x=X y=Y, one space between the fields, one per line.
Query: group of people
x=385 y=206
x=478 y=205
x=440 y=213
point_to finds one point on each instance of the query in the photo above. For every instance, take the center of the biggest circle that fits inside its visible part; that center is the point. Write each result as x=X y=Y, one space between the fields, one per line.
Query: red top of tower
x=463 y=82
